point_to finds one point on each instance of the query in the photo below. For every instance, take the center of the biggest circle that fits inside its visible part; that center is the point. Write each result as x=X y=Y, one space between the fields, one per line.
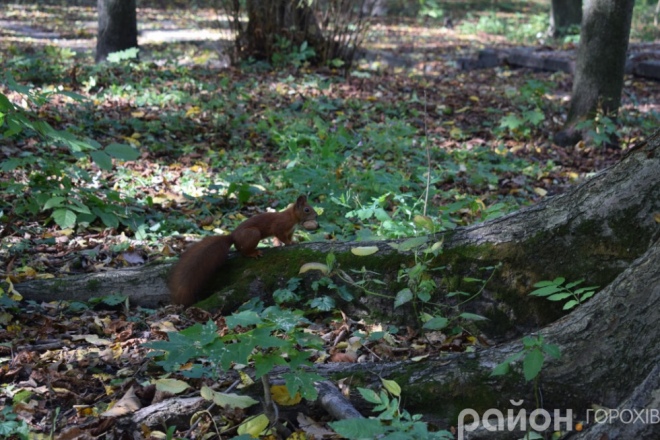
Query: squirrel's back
x=196 y=268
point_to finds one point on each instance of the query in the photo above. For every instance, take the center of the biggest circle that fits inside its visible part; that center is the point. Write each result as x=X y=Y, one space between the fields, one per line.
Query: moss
x=447 y=399
x=93 y=285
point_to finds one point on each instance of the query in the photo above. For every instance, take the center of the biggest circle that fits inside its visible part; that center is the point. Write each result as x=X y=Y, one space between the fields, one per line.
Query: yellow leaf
x=456 y=133
x=28 y=271
x=424 y=222
x=254 y=425
x=92 y=339
x=656 y=217
x=137 y=114
x=540 y=191
x=246 y=380
x=363 y=251
x=392 y=387
x=173 y=386
x=474 y=98
x=84 y=410
x=281 y=395
x=314 y=266
x=13 y=294
x=193 y=111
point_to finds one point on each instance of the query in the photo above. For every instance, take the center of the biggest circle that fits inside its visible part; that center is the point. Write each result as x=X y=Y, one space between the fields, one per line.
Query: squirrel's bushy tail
x=196 y=268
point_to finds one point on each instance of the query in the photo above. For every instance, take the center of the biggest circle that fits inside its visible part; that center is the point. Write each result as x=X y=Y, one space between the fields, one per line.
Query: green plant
x=123 y=55
x=392 y=422
x=533 y=354
x=601 y=129
x=58 y=183
x=430 y=8
x=268 y=339
x=554 y=291
x=530 y=99
x=288 y=54
x=10 y=424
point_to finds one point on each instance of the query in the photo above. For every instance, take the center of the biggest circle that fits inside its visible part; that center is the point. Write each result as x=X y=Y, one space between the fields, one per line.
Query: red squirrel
x=200 y=261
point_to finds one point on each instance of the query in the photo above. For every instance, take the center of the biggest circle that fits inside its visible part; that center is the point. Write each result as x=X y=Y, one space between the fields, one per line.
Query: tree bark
x=564 y=14
x=601 y=60
x=287 y=19
x=117 y=27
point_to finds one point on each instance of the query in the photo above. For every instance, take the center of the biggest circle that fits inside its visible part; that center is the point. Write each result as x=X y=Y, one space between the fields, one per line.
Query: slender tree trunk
x=117 y=27
x=601 y=60
x=564 y=13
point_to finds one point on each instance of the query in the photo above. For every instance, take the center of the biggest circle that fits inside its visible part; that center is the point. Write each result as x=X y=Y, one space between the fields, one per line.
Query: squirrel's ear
x=301 y=200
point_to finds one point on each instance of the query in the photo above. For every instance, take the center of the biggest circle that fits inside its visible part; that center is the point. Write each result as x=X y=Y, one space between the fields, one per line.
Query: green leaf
x=173 y=386
x=122 y=151
x=324 y=303
x=264 y=363
x=392 y=387
x=231 y=400
x=552 y=350
x=412 y=243
x=574 y=283
x=501 y=369
x=532 y=364
x=54 y=202
x=472 y=317
x=570 y=304
x=511 y=121
x=359 y=428
x=436 y=323
x=558 y=296
x=370 y=395
x=587 y=295
x=547 y=290
x=114 y=299
x=246 y=318
x=101 y=159
x=284 y=295
x=404 y=296
x=302 y=382
x=330 y=261
x=108 y=218
x=535 y=116
x=5 y=103
x=65 y=218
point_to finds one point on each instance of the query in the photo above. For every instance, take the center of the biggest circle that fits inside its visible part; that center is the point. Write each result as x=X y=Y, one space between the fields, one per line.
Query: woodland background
x=121 y=164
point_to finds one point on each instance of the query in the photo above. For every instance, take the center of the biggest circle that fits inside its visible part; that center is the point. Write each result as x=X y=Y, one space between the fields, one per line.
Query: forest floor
x=218 y=143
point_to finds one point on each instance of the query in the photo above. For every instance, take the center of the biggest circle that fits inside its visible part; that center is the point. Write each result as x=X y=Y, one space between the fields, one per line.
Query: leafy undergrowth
x=376 y=149
x=73 y=368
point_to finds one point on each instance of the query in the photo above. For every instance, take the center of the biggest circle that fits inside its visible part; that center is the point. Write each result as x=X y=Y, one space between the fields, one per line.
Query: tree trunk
x=601 y=60
x=609 y=357
x=117 y=27
x=272 y=22
x=563 y=14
